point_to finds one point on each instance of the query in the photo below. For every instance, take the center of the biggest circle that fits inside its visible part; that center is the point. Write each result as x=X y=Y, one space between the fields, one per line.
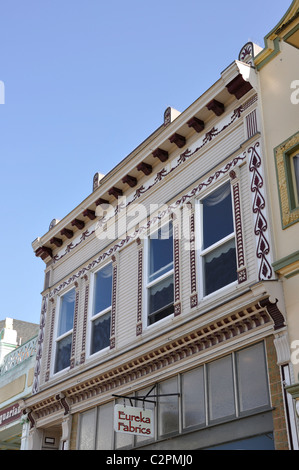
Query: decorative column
x=176 y=262
x=51 y=339
x=261 y=232
x=39 y=346
x=85 y=315
x=235 y=183
x=139 y=286
x=193 y=281
x=75 y=323
x=113 y=307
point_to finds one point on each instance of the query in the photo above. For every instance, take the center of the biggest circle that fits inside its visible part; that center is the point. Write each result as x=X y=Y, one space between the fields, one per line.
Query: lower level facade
x=214 y=386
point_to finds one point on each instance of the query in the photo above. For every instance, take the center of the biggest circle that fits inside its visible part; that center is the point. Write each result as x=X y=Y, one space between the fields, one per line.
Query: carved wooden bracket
x=178 y=140
x=197 y=124
x=216 y=107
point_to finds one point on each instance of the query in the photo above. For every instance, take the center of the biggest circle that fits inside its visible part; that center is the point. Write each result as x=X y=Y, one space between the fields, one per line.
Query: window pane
x=66 y=313
x=160 y=299
x=148 y=406
x=168 y=407
x=103 y=289
x=63 y=353
x=252 y=378
x=193 y=396
x=87 y=430
x=122 y=439
x=101 y=333
x=220 y=267
x=221 y=389
x=217 y=215
x=160 y=252
x=105 y=427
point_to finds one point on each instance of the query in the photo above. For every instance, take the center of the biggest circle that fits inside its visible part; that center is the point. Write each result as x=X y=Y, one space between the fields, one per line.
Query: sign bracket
x=144 y=398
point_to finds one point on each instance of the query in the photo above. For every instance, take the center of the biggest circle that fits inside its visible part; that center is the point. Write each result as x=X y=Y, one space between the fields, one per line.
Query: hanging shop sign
x=133 y=420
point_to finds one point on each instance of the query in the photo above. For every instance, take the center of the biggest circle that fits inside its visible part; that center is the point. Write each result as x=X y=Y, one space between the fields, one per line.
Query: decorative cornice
x=216 y=107
x=274 y=312
x=178 y=140
x=89 y=213
x=238 y=86
x=197 y=124
x=78 y=223
x=130 y=180
x=67 y=233
x=161 y=154
x=237 y=324
x=145 y=168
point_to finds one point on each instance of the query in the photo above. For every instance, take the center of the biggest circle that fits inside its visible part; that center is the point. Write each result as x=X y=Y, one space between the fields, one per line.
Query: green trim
x=9 y=345
x=295 y=273
x=281 y=22
x=285 y=183
x=290 y=33
x=289 y=176
x=275 y=51
x=286 y=261
x=275 y=41
x=293 y=390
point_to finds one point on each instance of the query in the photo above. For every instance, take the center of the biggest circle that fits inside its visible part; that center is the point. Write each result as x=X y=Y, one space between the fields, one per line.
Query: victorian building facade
x=160 y=292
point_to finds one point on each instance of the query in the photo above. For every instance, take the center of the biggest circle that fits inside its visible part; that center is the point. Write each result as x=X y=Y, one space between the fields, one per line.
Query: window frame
x=58 y=338
x=149 y=284
x=93 y=317
x=294 y=184
x=202 y=252
x=289 y=204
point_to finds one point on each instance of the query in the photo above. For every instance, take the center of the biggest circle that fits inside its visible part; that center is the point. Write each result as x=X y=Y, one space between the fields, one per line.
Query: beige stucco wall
x=17 y=382
x=281 y=121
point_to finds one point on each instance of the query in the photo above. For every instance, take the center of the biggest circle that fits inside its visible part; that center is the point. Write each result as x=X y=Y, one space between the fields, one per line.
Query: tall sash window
x=160 y=288
x=218 y=250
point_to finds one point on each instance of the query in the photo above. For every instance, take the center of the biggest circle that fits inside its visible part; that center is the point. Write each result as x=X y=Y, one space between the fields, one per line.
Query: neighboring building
x=17 y=360
x=160 y=292
x=278 y=69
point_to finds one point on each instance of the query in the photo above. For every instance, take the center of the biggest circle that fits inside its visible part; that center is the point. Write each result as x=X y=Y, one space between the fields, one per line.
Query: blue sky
x=85 y=83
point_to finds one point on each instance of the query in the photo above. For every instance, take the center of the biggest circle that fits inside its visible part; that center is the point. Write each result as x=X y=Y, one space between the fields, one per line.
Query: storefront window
x=212 y=394
x=87 y=430
x=221 y=389
x=148 y=406
x=104 y=437
x=193 y=398
x=123 y=440
x=168 y=407
x=252 y=393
